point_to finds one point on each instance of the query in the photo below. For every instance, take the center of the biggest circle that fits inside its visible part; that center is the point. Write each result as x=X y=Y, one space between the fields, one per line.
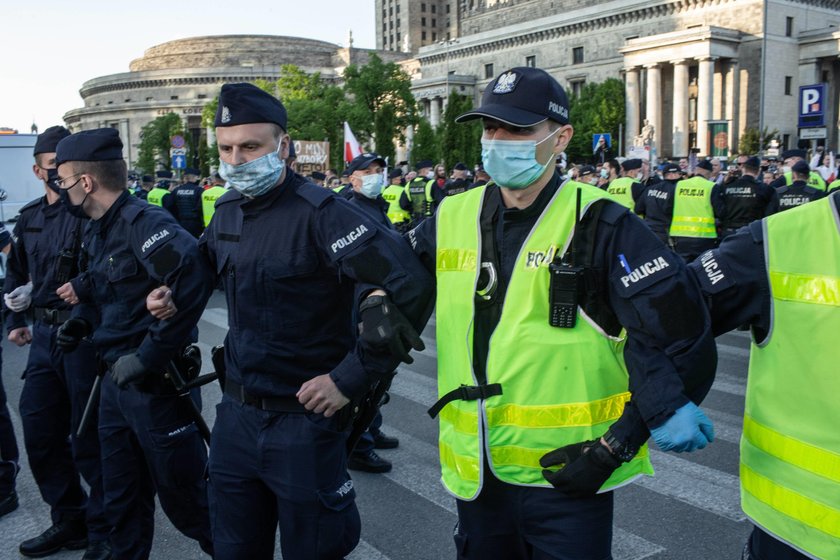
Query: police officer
x=56 y=386
x=188 y=209
x=765 y=276
x=147 y=183
x=587 y=174
x=458 y=183
x=518 y=383
x=318 y=178
x=160 y=195
x=481 y=177
x=289 y=255
x=399 y=205
x=627 y=189
x=149 y=439
x=418 y=191
x=209 y=198
x=746 y=199
x=799 y=192
x=9 y=453
x=656 y=205
x=693 y=228
x=790 y=158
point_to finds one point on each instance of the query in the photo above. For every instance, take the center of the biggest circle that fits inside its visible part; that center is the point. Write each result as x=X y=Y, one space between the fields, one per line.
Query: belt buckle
x=50 y=316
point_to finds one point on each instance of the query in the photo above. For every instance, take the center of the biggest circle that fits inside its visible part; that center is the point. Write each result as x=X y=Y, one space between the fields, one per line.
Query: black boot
x=70 y=534
x=98 y=550
x=9 y=504
x=368 y=462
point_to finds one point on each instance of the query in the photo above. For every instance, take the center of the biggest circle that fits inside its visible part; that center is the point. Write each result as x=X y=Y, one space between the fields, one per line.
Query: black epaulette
x=757 y=231
x=230 y=196
x=31 y=205
x=131 y=211
x=783 y=190
x=313 y=194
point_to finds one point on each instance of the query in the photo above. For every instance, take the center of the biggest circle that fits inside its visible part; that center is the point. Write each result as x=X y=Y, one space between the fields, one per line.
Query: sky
x=49 y=48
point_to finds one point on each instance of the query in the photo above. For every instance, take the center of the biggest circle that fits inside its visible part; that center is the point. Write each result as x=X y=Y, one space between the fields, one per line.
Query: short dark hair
x=111 y=174
x=615 y=166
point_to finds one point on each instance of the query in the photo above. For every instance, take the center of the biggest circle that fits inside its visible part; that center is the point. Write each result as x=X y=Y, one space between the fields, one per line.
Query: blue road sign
x=596 y=138
x=179 y=162
x=812 y=106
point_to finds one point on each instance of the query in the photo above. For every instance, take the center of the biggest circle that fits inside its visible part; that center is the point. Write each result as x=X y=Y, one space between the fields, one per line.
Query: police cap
x=424 y=163
x=395 y=173
x=801 y=167
x=163 y=174
x=752 y=162
x=148 y=179
x=99 y=144
x=245 y=103
x=522 y=96
x=794 y=153
x=191 y=171
x=671 y=168
x=631 y=164
x=318 y=175
x=363 y=161
x=585 y=170
x=460 y=166
x=705 y=164
x=49 y=139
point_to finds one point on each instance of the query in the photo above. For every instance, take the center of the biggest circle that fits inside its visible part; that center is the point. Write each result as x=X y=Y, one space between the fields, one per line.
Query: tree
x=155 y=143
x=369 y=89
x=751 y=140
x=459 y=142
x=383 y=130
x=599 y=108
x=425 y=143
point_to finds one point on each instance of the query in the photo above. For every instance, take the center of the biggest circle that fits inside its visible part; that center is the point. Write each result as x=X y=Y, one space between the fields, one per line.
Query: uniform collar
x=103 y=223
x=536 y=208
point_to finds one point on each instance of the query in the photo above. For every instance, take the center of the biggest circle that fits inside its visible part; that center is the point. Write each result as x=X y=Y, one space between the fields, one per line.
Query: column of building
x=653 y=105
x=733 y=86
x=631 y=105
x=705 y=100
x=679 y=144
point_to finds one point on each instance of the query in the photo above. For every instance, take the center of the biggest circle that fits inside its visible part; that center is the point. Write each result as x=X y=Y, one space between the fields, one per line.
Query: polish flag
x=351 y=145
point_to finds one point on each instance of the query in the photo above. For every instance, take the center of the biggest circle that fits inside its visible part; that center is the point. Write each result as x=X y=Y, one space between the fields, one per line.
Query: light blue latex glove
x=688 y=429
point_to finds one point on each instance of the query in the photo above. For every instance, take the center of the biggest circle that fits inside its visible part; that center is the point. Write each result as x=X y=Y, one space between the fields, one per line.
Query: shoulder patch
x=314 y=195
x=714 y=276
x=163 y=235
x=642 y=272
x=350 y=240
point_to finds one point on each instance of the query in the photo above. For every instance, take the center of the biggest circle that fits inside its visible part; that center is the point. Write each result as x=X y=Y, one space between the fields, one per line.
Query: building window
x=531 y=61
x=825 y=76
x=398 y=8
x=422 y=6
x=398 y=36
x=384 y=27
x=447 y=8
x=202 y=96
x=788 y=84
x=788 y=26
x=423 y=35
x=434 y=22
x=150 y=99
x=423 y=21
x=434 y=36
x=128 y=101
x=449 y=37
x=390 y=11
x=173 y=97
x=785 y=141
x=577 y=87
x=488 y=71
x=434 y=8
x=577 y=55
x=398 y=23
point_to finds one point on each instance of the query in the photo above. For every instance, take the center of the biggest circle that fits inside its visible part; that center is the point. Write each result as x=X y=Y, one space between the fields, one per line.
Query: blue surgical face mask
x=256 y=177
x=605 y=174
x=372 y=185
x=513 y=163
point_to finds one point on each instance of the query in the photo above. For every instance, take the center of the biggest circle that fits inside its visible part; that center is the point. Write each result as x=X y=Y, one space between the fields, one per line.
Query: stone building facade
x=407 y=25
x=693 y=68
x=182 y=76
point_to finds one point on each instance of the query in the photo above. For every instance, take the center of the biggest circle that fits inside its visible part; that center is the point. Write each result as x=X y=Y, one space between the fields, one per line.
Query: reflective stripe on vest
x=156 y=196
x=392 y=196
x=208 y=202
x=693 y=214
x=622 y=191
x=790 y=448
x=815 y=180
x=535 y=414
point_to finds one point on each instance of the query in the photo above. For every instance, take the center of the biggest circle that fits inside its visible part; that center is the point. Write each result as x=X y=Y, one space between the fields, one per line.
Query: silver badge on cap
x=225 y=115
x=506 y=83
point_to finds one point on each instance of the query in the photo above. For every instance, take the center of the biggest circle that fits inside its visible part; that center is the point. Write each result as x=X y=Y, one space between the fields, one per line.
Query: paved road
x=690 y=510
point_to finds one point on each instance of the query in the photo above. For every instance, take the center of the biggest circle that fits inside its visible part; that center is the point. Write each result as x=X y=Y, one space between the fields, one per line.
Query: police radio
x=565 y=284
x=65 y=266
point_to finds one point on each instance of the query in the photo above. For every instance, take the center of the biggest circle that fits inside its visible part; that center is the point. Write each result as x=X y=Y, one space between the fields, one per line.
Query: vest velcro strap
x=466 y=393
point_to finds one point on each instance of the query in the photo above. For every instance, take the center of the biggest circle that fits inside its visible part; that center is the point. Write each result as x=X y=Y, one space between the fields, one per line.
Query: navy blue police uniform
x=734 y=280
x=56 y=385
x=9 y=453
x=797 y=194
x=289 y=260
x=742 y=201
x=188 y=209
x=149 y=440
x=668 y=333
x=656 y=205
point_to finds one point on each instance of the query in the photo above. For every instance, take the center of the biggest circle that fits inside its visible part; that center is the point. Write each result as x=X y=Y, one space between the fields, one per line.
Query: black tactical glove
x=585 y=467
x=384 y=327
x=128 y=369
x=71 y=332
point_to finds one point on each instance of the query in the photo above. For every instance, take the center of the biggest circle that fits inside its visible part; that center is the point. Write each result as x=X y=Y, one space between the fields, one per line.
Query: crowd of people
x=575 y=321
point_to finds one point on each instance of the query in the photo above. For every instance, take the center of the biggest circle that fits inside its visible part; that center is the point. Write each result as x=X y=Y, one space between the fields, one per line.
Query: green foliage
x=383 y=132
x=459 y=142
x=425 y=143
x=751 y=140
x=599 y=108
x=155 y=143
x=369 y=89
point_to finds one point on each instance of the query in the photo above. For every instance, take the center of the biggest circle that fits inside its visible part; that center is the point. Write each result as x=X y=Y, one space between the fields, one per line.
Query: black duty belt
x=51 y=316
x=271 y=404
x=466 y=393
